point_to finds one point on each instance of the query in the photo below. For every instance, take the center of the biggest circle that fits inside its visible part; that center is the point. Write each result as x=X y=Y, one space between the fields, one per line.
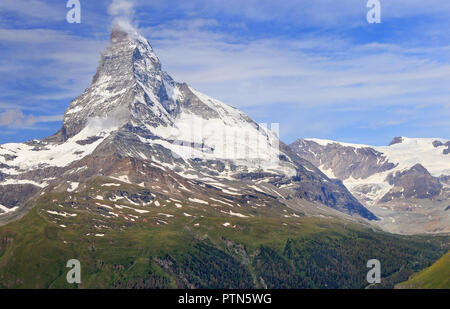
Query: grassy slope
x=199 y=252
x=437 y=276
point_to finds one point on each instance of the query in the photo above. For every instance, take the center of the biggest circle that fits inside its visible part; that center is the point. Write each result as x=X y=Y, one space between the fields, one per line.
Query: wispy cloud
x=122 y=12
x=63 y=62
x=17 y=120
x=317 y=70
x=42 y=10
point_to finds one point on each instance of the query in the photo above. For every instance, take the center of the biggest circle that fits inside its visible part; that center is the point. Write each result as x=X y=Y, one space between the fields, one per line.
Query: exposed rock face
x=446 y=146
x=15 y=195
x=396 y=140
x=416 y=182
x=406 y=182
x=343 y=161
x=136 y=124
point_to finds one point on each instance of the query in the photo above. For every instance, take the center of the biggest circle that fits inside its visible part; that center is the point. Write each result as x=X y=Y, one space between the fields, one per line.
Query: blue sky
x=314 y=66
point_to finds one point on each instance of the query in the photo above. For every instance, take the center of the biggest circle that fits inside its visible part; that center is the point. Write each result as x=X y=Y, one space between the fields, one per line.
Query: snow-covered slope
x=134 y=115
x=410 y=174
x=407 y=152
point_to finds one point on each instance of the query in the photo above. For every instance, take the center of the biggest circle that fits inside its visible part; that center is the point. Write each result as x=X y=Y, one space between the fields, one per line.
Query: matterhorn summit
x=136 y=126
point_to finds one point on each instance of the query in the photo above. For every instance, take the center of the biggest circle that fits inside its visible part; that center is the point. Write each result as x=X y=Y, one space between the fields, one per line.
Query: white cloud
x=34 y=8
x=123 y=12
x=313 y=71
x=121 y=8
x=307 y=13
x=16 y=119
x=70 y=62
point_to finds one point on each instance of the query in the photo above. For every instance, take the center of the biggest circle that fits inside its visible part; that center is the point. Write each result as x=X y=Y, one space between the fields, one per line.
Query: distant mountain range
x=406 y=184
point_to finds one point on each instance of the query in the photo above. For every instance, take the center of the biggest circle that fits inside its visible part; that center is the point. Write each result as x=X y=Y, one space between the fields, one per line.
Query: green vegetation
x=437 y=276
x=166 y=248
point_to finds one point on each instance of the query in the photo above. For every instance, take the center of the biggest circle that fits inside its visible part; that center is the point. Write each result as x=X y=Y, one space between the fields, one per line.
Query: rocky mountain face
x=137 y=139
x=405 y=184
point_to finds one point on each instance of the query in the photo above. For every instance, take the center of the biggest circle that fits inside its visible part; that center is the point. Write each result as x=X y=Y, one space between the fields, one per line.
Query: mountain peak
x=396 y=140
x=119 y=34
x=123 y=32
x=128 y=80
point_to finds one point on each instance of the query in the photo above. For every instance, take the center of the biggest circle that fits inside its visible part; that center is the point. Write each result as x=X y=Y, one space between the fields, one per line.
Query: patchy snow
x=141 y=211
x=73 y=186
x=62 y=214
x=60 y=155
x=325 y=142
x=196 y=200
x=230 y=192
x=166 y=215
x=236 y=214
x=122 y=178
x=225 y=203
x=111 y=185
x=131 y=202
x=6 y=210
x=23 y=182
x=103 y=205
x=329 y=172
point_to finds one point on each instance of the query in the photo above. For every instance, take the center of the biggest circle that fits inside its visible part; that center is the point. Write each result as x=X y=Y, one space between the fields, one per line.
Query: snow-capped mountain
x=406 y=184
x=135 y=125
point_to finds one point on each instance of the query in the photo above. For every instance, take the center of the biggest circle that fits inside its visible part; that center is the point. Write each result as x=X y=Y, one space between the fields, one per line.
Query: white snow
x=122 y=178
x=404 y=155
x=409 y=152
x=230 y=192
x=236 y=214
x=111 y=185
x=73 y=186
x=225 y=203
x=7 y=210
x=136 y=210
x=55 y=154
x=103 y=205
x=196 y=200
x=166 y=215
x=22 y=182
x=62 y=214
